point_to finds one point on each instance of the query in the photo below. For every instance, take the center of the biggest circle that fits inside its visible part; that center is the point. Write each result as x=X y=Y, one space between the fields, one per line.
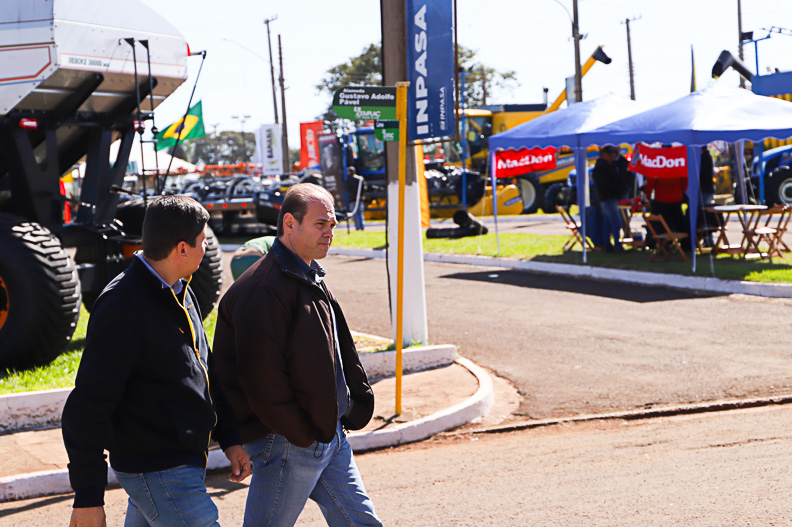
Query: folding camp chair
x=763 y=230
x=663 y=236
x=575 y=237
x=783 y=223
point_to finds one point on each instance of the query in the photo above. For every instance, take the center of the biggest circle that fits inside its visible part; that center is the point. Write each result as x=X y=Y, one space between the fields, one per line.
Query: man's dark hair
x=297 y=199
x=170 y=220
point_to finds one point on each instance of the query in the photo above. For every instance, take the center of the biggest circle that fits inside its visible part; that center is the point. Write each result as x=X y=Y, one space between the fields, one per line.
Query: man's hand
x=88 y=517
x=240 y=463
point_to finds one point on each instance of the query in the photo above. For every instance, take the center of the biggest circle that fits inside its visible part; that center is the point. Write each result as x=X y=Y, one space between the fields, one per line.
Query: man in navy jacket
x=146 y=390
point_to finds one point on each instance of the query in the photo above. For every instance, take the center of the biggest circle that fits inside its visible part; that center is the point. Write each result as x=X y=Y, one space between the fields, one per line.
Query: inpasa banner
x=269 y=149
x=512 y=163
x=430 y=69
x=660 y=162
x=309 y=144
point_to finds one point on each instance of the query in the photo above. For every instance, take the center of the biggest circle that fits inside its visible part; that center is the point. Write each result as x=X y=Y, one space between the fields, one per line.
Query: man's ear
x=181 y=248
x=288 y=220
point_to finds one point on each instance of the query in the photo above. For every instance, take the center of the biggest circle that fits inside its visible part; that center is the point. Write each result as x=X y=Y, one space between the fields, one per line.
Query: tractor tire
x=778 y=188
x=557 y=194
x=530 y=193
x=39 y=294
x=207 y=281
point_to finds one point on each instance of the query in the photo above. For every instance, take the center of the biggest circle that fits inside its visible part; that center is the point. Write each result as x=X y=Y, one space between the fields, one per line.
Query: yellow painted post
x=401 y=115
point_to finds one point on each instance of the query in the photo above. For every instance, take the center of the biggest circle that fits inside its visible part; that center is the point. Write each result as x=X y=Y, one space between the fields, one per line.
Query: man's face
x=311 y=238
x=194 y=255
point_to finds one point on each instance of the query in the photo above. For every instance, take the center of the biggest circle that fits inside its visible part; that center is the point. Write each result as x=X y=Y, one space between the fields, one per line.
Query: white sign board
x=269 y=149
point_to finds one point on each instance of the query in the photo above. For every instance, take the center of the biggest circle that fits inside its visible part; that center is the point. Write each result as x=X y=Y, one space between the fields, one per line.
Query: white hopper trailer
x=75 y=76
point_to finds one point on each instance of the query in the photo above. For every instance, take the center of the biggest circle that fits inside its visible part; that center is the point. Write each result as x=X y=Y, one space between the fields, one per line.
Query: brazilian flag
x=189 y=127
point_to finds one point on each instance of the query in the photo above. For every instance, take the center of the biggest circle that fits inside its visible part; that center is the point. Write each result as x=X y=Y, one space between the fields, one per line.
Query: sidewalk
x=33 y=463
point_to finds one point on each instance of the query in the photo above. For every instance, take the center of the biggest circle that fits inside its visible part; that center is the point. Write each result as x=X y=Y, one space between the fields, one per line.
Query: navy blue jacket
x=145 y=390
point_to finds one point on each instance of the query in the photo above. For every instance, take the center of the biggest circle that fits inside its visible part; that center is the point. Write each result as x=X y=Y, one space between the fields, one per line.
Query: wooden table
x=745 y=214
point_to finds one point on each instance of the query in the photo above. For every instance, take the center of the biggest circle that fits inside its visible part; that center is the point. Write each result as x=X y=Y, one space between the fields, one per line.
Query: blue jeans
x=171 y=497
x=285 y=476
x=612 y=222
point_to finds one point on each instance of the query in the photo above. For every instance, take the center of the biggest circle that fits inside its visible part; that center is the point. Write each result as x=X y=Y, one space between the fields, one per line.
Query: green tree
x=366 y=69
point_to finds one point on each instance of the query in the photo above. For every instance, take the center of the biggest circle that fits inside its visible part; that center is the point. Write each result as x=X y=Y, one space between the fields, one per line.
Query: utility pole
x=740 y=38
x=576 y=38
x=272 y=68
x=629 y=57
x=285 y=138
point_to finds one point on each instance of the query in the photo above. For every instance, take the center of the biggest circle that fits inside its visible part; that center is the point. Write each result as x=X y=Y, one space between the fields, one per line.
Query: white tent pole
x=694 y=157
x=581 y=167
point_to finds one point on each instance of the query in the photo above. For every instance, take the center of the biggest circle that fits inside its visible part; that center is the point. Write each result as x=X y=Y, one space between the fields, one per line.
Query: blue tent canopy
x=716 y=113
x=563 y=127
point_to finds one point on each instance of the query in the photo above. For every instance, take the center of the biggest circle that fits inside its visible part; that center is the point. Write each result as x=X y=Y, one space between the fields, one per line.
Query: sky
x=530 y=37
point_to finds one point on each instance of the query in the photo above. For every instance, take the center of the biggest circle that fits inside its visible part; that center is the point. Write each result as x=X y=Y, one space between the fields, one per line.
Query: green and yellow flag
x=189 y=127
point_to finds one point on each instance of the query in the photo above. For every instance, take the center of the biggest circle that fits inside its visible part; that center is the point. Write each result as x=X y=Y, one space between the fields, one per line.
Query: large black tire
x=557 y=194
x=778 y=189
x=208 y=279
x=39 y=294
x=531 y=195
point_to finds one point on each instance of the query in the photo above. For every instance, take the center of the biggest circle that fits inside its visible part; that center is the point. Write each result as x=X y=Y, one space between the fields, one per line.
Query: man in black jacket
x=146 y=390
x=289 y=367
x=608 y=183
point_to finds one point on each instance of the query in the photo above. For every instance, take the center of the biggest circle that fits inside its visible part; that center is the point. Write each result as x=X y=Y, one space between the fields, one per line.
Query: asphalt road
x=725 y=469
x=576 y=346
x=570 y=347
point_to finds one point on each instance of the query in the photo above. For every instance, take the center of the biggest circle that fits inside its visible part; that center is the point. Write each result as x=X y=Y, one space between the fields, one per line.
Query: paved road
x=725 y=469
x=574 y=346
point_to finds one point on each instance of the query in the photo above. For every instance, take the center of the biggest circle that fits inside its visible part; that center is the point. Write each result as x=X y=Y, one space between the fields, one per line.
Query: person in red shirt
x=665 y=196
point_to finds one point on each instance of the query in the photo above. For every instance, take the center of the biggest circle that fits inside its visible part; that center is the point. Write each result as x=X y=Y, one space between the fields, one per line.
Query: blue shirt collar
x=177 y=287
x=313 y=273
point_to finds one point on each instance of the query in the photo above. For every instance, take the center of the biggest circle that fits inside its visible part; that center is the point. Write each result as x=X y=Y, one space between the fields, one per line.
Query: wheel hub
x=785 y=191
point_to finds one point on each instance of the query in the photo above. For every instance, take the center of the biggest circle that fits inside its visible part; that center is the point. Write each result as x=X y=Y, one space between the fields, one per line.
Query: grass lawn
x=545 y=248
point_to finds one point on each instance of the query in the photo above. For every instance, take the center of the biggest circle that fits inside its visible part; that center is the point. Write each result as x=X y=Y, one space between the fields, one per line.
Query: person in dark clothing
x=146 y=388
x=707 y=177
x=609 y=189
x=288 y=364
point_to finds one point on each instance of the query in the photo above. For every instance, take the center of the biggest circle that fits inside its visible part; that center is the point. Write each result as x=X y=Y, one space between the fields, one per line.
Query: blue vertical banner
x=430 y=69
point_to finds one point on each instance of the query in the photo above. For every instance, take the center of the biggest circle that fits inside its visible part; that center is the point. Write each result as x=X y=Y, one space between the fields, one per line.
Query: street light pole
x=272 y=68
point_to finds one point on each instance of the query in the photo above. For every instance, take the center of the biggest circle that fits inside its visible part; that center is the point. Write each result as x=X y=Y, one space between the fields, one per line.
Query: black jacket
x=606 y=180
x=146 y=389
x=274 y=349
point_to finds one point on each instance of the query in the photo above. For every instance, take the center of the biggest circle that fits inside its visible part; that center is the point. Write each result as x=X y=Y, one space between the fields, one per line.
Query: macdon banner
x=660 y=162
x=511 y=163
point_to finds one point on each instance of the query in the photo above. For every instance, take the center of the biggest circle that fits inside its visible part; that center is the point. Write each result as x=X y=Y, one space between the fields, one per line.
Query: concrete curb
x=381 y=364
x=51 y=482
x=29 y=410
x=475 y=406
x=675 y=281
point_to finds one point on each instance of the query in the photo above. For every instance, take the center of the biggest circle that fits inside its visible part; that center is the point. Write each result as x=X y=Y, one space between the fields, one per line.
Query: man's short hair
x=297 y=199
x=609 y=149
x=170 y=220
